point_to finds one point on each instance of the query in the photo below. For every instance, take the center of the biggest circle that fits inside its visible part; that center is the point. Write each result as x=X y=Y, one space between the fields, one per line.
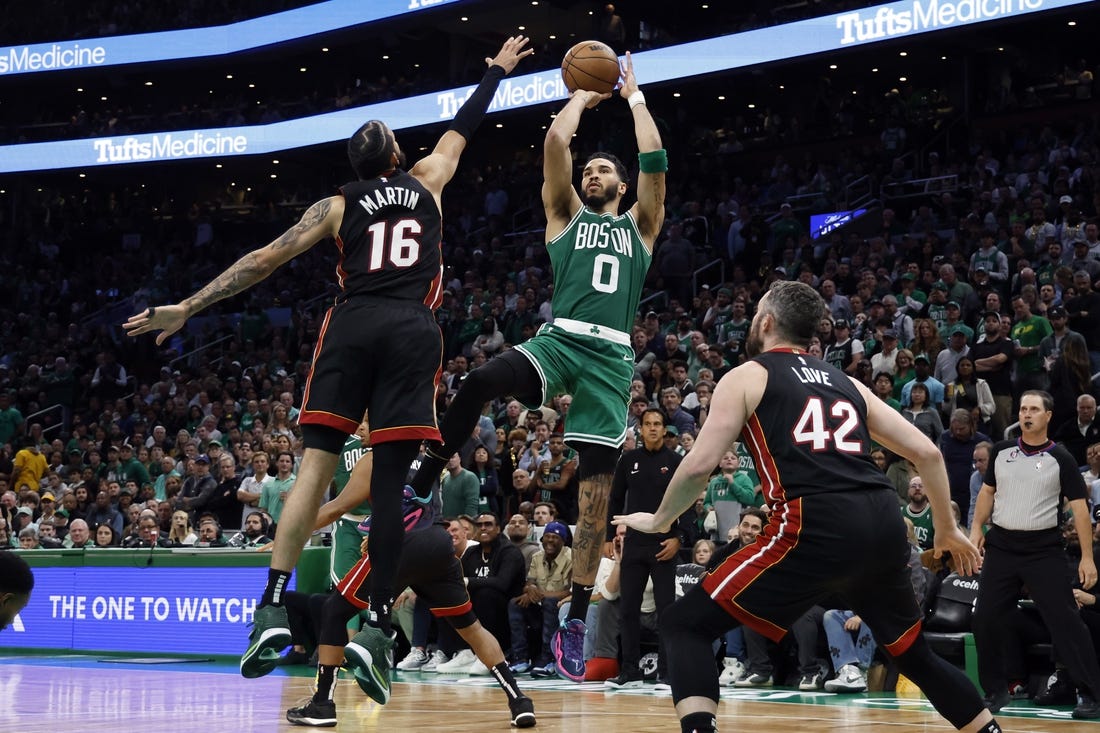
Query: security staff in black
x=639 y=483
x=1021 y=498
x=379 y=346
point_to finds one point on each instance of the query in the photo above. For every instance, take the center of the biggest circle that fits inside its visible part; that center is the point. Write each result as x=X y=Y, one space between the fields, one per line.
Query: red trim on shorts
x=403 y=432
x=453 y=610
x=741 y=569
x=309 y=378
x=319 y=417
x=903 y=642
x=350 y=584
x=341 y=273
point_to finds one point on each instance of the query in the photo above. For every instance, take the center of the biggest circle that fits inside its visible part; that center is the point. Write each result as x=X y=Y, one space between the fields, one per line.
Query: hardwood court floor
x=79 y=694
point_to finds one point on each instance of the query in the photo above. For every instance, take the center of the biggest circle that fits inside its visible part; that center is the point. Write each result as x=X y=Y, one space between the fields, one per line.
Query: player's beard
x=754 y=344
x=597 y=201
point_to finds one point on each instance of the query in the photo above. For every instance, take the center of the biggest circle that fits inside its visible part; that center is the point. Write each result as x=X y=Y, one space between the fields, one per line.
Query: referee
x=1022 y=495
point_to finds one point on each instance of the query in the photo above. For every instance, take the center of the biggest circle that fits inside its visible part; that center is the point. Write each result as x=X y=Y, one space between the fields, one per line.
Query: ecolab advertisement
x=740 y=50
x=177 y=610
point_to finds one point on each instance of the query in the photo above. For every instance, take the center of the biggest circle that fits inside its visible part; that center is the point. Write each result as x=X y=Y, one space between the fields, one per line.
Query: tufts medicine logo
x=168 y=146
x=18 y=59
x=540 y=88
x=924 y=15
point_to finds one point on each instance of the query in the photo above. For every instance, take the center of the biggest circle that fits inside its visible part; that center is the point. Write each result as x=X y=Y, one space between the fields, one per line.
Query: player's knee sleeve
x=322 y=437
x=596 y=460
x=334 y=618
x=945 y=686
x=680 y=630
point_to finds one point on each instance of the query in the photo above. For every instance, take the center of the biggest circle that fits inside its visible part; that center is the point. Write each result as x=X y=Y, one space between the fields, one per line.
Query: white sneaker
x=415 y=659
x=478 y=669
x=459 y=665
x=432 y=665
x=848 y=679
x=732 y=670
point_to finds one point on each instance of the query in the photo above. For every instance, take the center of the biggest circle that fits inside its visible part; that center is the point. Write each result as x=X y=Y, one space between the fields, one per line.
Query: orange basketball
x=592 y=66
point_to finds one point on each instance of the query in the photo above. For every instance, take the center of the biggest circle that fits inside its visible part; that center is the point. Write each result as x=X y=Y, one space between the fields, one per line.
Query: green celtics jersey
x=352 y=451
x=600 y=264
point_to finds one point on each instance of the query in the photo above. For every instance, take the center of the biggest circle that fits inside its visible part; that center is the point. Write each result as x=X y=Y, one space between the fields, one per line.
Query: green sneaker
x=270 y=635
x=370 y=658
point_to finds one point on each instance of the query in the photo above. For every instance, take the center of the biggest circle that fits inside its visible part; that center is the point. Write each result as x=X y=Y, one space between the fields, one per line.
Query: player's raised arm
x=559 y=198
x=437 y=168
x=320 y=220
x=649 y=211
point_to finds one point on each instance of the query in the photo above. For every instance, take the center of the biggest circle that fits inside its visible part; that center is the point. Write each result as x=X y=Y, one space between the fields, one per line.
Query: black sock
x=506 y=681
x=578 y=604
x=699 y=723
x=991 y=727
x=326 y=682
x=276 y=586
x=382 y=618
x=428 y=473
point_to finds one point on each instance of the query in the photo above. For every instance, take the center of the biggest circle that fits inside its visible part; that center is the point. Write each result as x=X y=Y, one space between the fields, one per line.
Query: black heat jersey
x=809 y=434
x=390 y=239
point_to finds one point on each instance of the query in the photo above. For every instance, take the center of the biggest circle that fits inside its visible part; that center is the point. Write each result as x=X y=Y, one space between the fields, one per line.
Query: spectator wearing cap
x=989 y=257
x=198 y=487
x=731 y=334
x=1028 y=331
x=845 y=352
x=1050 y=348
x=954 y=321
x=886 y=358
x=549 y=580
x=993 y=359
x=935 y=309
x=945 y=369
x=922 y=365
x=910 y=298
x=130 y=468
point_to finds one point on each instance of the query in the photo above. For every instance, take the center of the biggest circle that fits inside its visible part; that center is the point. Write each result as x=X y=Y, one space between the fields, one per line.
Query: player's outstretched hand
x=967 y=557
x=630 y=84
x=167 y=318
x=641 y=521
x=510 y=53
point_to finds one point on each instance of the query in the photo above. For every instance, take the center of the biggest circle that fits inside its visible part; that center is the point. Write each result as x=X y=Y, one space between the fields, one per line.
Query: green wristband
x=655 y=161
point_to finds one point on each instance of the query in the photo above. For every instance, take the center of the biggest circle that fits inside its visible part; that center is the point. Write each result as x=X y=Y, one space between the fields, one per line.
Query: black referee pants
x=640 y=563
x=1036 y=560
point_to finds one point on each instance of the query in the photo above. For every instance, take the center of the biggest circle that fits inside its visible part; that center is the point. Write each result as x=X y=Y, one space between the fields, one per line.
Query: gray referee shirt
x=1030 y=482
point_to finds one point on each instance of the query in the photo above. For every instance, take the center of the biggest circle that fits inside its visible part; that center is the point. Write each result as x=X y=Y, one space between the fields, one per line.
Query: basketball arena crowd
x=971 y=277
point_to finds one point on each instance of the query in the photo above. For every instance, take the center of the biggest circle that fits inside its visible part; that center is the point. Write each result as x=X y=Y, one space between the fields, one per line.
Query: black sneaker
x=316 y=714
x=629 y=677
x=996 y=700
x=1059 y=690
x=1087 y=708
x=523 y=712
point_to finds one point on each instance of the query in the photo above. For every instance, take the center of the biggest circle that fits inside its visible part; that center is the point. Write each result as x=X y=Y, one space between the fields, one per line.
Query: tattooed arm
x=320 y=220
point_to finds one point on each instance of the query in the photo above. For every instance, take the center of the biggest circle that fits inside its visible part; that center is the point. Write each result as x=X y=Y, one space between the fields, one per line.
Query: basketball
x=592 y=66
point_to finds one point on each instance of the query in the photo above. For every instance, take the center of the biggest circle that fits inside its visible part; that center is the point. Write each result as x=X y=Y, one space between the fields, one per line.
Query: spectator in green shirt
x=460 y=489
x=1027 y=333
x=273 y=494
x=728 y=492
